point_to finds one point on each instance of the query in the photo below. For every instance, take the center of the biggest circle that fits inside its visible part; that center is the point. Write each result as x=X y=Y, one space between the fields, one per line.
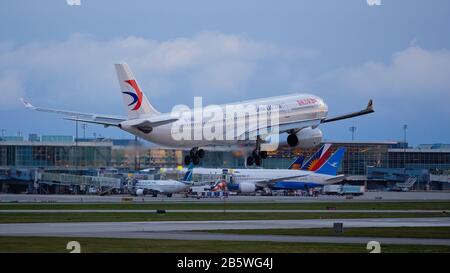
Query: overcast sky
x=346 y=52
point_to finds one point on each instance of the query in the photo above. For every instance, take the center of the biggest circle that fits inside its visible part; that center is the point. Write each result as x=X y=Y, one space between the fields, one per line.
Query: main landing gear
x=257 y=155
x=194 y=156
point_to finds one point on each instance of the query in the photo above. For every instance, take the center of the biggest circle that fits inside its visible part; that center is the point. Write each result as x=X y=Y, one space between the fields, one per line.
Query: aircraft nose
x=322 y=105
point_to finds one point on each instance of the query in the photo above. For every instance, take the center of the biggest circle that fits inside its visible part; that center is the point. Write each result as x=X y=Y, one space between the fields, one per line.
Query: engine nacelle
x=247 y=187
x=306 y=138
x=309 y=137
x=139 y=192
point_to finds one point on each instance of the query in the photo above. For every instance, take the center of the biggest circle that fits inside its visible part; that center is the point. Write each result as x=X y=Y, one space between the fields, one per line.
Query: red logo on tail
x=137 y=98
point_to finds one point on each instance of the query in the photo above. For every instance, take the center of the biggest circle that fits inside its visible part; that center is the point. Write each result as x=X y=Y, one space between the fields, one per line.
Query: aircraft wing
x=105 y=120
x=368 y=110
x=266 y=182
x=145 y=125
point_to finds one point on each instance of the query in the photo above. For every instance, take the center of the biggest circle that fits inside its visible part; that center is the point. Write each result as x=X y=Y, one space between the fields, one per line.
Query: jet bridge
x=84 y=182
x=407 y=185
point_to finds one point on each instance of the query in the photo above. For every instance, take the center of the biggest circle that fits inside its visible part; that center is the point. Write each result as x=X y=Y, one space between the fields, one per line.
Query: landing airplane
x=299 y=115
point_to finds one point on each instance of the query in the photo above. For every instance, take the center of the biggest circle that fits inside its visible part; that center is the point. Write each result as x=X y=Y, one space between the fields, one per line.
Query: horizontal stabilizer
x=105 y=123
x=147 y=125
x=335 y=179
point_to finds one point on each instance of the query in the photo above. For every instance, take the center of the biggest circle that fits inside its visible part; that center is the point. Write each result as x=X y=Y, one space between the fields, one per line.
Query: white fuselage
x=292 y=108
x=252 y=175
x=161 y=186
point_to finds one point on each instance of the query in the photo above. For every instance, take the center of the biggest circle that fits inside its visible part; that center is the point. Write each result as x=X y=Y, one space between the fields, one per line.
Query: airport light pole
x=84 y=130
x=76 y=145
x=353 y=130
x=405 y=128
x=136 y=154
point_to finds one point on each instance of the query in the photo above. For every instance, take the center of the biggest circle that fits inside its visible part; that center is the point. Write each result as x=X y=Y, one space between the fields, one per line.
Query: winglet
x=370 y=105
x=27 y=104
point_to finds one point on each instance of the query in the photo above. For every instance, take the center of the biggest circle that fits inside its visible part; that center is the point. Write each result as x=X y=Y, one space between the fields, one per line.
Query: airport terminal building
x=55 y=152
x=379 y=163
x=359 y=157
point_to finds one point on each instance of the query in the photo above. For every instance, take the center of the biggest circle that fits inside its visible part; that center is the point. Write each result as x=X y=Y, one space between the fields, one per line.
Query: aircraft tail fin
x=296 y=165
x=326 y=154
x=136 y=103
x=188 y=175
x=331 y=166
x=317 y=159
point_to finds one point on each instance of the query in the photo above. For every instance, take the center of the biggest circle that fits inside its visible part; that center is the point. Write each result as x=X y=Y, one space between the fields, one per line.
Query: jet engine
x=305 y=138
x=139 y=192
x=247 y=187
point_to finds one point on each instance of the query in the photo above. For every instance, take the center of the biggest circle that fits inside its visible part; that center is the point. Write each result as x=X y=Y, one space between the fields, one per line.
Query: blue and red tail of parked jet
x=322 y=161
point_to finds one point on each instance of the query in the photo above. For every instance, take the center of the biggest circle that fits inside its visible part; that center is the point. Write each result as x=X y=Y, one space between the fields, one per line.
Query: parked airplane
x=299 y=116
x=324 y=175
x=167 y=187
x=248 y=180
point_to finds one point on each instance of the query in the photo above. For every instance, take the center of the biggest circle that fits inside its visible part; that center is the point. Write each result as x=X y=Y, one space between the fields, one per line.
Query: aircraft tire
x=258 y=161
x=250 y=161
x=263 y=154
x=187 y=160
x=196 y=160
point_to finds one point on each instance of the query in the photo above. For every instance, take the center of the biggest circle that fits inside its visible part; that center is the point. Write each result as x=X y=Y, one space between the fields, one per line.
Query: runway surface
x=179 y=230
x=203 y=236
x=368 y=196
x=213 y=211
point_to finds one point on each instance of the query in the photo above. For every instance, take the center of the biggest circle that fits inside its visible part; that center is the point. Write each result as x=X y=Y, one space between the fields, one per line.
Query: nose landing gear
x=194 y=156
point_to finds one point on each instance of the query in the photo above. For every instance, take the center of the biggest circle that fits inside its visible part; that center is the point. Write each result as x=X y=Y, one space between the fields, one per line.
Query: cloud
x=80 y=71
x=413 y=72
x=11 y=89
x=73 y=2
x=411 y=87
x=374 y=2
